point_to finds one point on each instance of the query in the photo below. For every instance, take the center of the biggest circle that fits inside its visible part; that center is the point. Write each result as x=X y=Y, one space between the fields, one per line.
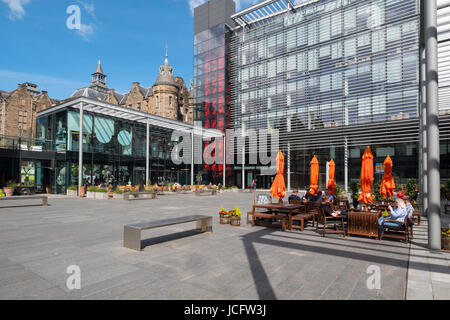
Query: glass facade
x=114 y=150
x=212 y=91
x=333 y=76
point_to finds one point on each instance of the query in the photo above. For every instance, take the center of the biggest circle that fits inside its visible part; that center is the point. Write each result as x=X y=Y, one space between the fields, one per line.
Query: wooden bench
x=132 y=232
x=301 y=218
x=269 y=216
x=137 y=196
x=43 y=198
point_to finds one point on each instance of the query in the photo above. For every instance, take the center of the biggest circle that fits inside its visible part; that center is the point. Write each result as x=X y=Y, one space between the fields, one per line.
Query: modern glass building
x=333 y=76
x=119 y=146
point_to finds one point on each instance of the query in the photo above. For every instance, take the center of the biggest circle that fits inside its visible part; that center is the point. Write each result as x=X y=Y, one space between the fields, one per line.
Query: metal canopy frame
x=267 y=9
x=112 y=110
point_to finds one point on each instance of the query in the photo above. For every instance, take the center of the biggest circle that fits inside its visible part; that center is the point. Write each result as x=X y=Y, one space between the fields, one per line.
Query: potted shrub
x=445 y=239
x=224 y=216
x=354 y=188
x=72 y=191
x=235 y=219
x=118 y=194
x=9 y=189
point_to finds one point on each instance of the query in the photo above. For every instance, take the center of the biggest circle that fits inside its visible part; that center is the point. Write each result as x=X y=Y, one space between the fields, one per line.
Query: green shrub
x=354 y=188
x=412 y=189
x=97 y=189
x=376 y=191
x=117 y=191
x=149 y=190
x=72 y=188
x=12 y=185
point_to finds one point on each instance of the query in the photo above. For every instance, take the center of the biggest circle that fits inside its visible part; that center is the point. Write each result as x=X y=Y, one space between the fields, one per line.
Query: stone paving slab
x=37 y=244
x=429 y=271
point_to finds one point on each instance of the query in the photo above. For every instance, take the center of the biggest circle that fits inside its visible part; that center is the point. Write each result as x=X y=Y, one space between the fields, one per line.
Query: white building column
x=80 y=152
x=243 y=165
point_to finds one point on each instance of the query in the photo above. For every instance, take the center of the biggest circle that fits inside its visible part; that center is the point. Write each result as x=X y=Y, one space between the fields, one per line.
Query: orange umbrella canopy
x=387 y=184
x=314 y=176
x=366 y=177
x=278 y=189
x=331 y=187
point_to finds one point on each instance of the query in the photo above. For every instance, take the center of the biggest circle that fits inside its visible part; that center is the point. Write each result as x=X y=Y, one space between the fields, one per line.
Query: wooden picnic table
x=287 y=209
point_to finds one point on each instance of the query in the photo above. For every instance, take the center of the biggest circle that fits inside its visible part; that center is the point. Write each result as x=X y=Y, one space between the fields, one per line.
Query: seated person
x=307 y=195
x=294 y=196
x=409 y=207
x=329 y=212
x=329 y=195
x=317 y=197
x=398 y=215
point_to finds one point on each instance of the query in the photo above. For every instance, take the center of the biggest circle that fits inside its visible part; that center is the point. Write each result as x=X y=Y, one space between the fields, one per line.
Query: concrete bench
x=132 y=232
x=43 y=198
x=139 y=196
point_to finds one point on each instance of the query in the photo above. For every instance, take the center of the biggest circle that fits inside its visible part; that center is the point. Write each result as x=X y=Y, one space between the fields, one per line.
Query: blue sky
x=129 y=37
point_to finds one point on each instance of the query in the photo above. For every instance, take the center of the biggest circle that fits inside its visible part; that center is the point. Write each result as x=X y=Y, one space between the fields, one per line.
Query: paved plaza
x=38 y=244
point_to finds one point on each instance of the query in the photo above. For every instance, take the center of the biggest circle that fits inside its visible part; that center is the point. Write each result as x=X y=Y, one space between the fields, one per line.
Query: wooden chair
x=314 y=209
x=326 y=221
x=392 y=229
x=342 y=203
x=258 y=199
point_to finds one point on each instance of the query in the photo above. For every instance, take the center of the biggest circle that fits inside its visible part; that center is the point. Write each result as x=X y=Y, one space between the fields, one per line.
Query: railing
x=26 y=144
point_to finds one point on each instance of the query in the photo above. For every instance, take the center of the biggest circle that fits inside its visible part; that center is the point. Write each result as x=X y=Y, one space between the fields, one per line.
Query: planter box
x=9 y=191
x=91 y=195
x=445 y=243
x=101 y=195
x=235 y=221
x=72 y=193
x=224 y=219
x=118 y=196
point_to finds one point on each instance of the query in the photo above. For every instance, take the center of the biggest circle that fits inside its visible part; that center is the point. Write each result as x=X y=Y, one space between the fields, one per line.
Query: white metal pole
x=224 y=159
x=289 y=167
x=432 y=98
x=192 y=158
x=243 y=165
x=147 y=156
x=80 y=152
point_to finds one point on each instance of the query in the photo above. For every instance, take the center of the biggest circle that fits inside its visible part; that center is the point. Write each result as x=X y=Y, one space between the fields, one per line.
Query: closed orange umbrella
x=366 y=177
x=278 y=189
x=314 y=176
x=331 y=187
x=387 y=184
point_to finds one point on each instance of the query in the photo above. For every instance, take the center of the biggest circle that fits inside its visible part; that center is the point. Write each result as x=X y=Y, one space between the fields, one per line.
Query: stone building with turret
x=169 y=97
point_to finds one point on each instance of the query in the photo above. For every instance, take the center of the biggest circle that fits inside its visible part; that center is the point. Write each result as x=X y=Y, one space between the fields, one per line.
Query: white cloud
x=16 y=8
x=88 y=7
x=239 y=3
x=86 y=31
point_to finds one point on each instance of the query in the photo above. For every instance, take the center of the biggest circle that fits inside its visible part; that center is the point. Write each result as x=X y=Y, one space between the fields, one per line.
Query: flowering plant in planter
x=235 y=218
x=224 y=216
